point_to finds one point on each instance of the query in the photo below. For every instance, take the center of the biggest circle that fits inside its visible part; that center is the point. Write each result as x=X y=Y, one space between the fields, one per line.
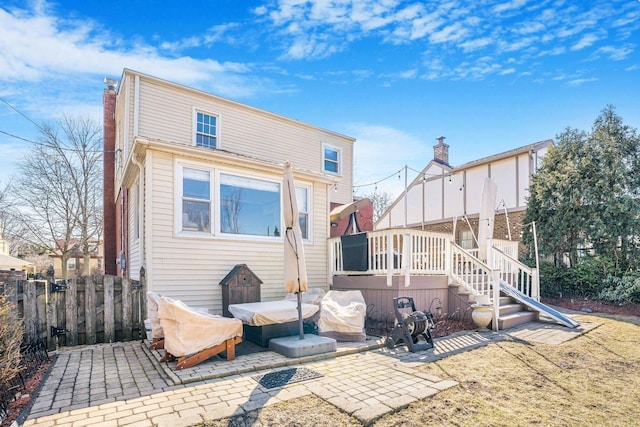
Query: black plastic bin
x=355 y=252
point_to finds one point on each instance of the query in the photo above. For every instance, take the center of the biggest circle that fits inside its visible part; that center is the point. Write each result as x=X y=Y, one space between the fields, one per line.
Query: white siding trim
x=136 y=105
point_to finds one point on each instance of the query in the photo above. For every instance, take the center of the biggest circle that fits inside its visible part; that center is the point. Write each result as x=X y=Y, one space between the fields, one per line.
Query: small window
x=302 y=197
x=196 y=200
x=206 y=130
x=331 y=159
x=71 y=264
x=466 y=240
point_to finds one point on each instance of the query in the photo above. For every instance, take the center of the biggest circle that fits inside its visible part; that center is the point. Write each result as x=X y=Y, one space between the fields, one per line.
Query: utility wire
x=43 y=143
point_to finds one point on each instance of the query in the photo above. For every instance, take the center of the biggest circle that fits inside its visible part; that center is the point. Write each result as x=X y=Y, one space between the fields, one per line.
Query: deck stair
x=512 y=313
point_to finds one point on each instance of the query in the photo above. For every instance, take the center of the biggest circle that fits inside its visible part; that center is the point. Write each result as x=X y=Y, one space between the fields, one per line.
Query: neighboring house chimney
x=109 y=208
x=441 y=151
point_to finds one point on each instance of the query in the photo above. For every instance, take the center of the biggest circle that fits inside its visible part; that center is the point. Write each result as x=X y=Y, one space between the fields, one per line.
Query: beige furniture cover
x=342 y=315
x=270 y=312
x=187 y=331
x=152 y=310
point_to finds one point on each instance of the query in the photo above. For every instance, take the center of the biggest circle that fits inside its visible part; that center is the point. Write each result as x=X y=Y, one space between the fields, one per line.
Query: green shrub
x=11 y=333
x=621 y=290
x=585 y=280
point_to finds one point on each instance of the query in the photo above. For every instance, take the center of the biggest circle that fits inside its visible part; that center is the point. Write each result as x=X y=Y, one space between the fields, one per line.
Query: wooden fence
x=80 y=310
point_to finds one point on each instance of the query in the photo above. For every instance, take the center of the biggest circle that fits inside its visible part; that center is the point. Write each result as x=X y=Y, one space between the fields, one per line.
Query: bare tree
x=381 y=201
x=58 y=192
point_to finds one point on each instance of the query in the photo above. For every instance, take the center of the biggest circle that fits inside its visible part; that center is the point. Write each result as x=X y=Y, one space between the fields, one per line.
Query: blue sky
x=489 y=75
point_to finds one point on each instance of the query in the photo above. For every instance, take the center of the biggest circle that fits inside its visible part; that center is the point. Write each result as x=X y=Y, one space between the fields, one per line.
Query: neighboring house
x=442 y=197
x=10 y=265
x=193 y=188
x=75 y=258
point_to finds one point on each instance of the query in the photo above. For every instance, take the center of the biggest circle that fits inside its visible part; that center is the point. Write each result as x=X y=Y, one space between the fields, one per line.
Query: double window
x=244 y=205
x=206 y=129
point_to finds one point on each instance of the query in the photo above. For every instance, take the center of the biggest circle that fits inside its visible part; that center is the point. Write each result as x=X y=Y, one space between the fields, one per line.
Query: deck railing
x=520 y=276
x=406 y=252
x=470 y=272
x=396 y=252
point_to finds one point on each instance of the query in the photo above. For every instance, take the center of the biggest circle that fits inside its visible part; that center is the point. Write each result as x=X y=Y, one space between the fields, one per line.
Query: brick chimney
x=109 y=208
x=441 y=151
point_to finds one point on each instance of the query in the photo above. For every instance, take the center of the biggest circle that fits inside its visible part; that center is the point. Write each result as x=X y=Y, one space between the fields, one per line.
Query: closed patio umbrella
x=295 y=269
x=487 y=216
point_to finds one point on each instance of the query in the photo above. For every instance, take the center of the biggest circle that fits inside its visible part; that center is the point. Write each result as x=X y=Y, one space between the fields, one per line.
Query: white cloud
x=614 y=53
x=586 y=41
x=510 y=5
x=579 y=82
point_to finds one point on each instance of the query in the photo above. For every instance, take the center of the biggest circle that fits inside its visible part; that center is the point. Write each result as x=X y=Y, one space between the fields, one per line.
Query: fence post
x=90 y=309
x=126 y=310
x=50 y=305
x=71 y=311
x=143 y=300
x=30 y=311
x=109 y=309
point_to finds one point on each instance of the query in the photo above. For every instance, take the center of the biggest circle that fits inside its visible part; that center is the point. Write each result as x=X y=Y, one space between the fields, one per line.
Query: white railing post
x=389 y=259
x=535 y=284
x=495 y=284
x=407 y=258
x=448 y=258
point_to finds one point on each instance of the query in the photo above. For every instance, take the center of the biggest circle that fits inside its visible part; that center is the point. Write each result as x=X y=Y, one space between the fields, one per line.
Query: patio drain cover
x=286 y=376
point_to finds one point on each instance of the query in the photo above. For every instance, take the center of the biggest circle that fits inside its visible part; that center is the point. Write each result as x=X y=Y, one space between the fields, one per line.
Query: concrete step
x=514 y=319
x=506 y=300
x=511 y=307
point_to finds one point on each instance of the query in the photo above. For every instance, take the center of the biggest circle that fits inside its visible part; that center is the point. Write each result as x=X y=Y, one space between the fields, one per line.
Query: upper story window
x=206 y=134
x=331 y=159
x=71 y=264
x=249 y=206
x=196 y=200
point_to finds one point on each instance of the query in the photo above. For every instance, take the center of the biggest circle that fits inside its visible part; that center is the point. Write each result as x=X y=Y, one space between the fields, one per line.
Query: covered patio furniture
x=272 y=319
x=193 y=337
x=342 y=316
x=157 y=334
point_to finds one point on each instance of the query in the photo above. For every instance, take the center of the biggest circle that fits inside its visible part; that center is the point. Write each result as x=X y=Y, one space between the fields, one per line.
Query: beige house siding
x=190 y=268
x=168 y=112
x=155 y=122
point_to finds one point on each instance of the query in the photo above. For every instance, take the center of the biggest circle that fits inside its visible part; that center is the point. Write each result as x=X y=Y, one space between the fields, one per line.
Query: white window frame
x=338 y=150
x=72 y=264
x=214 y=206
x=309 y=212
x=194 y=127
x=179 y=168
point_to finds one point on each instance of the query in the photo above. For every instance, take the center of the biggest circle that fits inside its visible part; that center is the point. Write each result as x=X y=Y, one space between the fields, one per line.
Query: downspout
x=140 y=207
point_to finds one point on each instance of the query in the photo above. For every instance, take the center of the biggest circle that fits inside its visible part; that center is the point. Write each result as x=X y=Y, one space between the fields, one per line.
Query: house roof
x=510 y=153
x=8 y=262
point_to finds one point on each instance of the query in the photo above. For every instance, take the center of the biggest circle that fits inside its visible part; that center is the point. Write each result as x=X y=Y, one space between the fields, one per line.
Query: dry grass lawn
x=593 y=380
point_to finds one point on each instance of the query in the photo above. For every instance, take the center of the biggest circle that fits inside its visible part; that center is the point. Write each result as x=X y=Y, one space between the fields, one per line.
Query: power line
x=47 y=145
x=21 y=113
x=42 y=143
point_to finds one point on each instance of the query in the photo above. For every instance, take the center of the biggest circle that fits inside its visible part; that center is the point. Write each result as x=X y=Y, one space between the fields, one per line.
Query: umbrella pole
x=300 y=313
